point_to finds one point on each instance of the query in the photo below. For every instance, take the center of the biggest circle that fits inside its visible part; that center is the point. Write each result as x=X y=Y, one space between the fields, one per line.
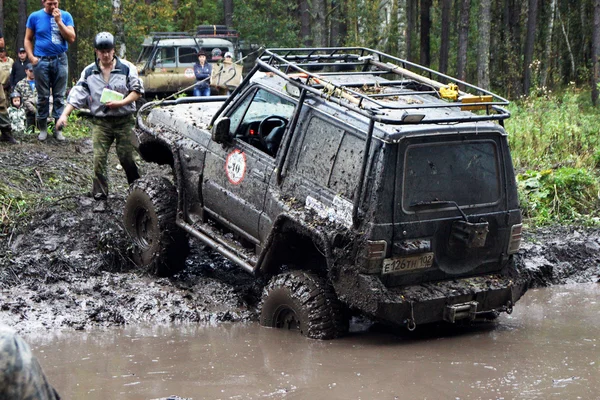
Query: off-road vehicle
x=166 y=62
x=351 y=180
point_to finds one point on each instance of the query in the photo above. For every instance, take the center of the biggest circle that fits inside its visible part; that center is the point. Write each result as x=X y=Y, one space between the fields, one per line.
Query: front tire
x=159 y=245
x=302 y=301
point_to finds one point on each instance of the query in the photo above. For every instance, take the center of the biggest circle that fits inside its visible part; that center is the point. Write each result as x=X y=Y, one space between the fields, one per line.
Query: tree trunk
x=401 y=18
x=483 y=44
x=228 y=11
x=425 y=58
x=411 y=11
x=529 y=43
x=445 y=39
x=596 y=53
x=2 y=24
x=319 y=25
x=463 y=40
x=117 y=17
x=571 y=57
x=305 y=33
x=548 y=45
x=22 y=23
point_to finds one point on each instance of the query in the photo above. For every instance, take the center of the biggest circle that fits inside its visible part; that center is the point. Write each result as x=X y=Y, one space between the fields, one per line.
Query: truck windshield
x=466 y=172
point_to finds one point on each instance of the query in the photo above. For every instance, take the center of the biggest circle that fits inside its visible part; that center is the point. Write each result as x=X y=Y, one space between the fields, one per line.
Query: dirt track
x=70 y=268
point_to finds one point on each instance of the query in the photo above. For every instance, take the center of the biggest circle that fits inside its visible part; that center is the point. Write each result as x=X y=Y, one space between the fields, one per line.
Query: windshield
x=144 y=55
x=463 y=172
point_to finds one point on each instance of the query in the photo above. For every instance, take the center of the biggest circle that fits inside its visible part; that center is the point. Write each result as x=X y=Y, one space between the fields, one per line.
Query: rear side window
x=330 y=156
x=463 y=172
x=187 y=55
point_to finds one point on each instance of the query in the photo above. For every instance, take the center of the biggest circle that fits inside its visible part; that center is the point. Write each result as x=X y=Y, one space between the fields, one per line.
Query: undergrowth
x=554 y=139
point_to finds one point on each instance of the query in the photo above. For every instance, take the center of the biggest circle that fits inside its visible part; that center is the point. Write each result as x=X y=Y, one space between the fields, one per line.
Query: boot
x=59 y=136
x=43 y=127
x=7 y=136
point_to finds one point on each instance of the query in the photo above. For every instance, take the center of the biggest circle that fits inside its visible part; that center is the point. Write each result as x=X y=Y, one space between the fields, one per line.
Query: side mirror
x=220 y=130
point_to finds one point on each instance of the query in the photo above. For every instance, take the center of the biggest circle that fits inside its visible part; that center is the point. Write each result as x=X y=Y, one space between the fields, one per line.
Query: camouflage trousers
x=105 y=131
x=21 y=376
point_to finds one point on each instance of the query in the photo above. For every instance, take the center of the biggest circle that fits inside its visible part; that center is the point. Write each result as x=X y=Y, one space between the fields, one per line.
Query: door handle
x=258 y=173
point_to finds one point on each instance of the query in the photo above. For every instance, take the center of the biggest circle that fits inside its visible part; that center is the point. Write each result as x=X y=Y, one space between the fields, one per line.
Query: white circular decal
x=235 y=166
x=189 y=73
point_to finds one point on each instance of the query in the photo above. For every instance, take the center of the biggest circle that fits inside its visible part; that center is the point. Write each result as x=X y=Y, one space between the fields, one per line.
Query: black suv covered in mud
x=350 y=179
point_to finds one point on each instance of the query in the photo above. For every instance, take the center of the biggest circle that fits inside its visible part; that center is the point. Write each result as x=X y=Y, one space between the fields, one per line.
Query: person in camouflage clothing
x=21 y=376
x=109 y=87
x=28 y=92
x=5 y=67
x=16 y=113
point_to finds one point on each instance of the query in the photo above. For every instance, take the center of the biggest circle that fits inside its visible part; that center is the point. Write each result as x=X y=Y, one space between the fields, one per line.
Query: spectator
x=21 y=376
x=5 y=127
x=18 y=69
x=16 y=113
x=109 y=87
x=202 y=70
x=26 y=88
x=51 y=29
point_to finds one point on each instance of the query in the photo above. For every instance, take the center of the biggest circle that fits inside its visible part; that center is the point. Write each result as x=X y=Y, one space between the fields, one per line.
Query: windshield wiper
x=436 y=203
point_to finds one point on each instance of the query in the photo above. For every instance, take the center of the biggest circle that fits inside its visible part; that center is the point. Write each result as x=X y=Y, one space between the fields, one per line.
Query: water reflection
x=547 y=349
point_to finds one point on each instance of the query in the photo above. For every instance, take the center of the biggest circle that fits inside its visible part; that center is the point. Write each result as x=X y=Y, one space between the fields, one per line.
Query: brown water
x=549 y=348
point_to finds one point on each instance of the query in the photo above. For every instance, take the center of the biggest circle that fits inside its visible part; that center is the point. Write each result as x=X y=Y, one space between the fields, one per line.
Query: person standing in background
x=52 y=30
x=5 y=127
x=202 y=70
x=26 y=88
x=18 y=69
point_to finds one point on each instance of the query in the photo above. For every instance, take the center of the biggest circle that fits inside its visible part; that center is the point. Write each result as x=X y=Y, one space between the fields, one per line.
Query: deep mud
x=67 y=264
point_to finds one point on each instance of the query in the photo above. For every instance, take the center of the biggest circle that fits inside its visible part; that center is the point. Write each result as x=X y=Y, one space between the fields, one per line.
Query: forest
x=509 y=46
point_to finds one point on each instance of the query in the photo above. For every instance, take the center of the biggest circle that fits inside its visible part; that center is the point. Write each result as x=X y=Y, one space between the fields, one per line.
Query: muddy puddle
x=548 y=348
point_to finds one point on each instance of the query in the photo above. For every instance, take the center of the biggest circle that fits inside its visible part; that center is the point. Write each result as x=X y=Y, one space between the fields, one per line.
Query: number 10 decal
x=235 y=166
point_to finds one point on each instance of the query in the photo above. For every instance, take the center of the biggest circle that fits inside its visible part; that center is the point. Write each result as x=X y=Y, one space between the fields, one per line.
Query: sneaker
x=59 y=136
x=43 y=136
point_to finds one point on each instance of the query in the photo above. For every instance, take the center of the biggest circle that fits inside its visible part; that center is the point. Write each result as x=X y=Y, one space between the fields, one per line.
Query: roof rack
x=298 y=66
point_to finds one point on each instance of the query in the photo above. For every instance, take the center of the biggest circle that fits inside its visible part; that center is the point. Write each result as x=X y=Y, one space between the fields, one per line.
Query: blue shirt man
x=52 y=29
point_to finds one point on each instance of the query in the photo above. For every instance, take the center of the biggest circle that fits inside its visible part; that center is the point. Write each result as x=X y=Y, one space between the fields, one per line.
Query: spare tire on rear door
x=159 y=245
x=303 y=301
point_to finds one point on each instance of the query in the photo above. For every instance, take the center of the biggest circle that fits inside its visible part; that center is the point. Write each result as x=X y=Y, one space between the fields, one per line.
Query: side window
x=165 y=57
x=261 y=120
x=187 y=56
x=346 y=169
x=318 y=150
x=331 y=157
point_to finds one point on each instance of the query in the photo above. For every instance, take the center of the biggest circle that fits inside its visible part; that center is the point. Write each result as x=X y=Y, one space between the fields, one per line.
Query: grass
x=555 y=145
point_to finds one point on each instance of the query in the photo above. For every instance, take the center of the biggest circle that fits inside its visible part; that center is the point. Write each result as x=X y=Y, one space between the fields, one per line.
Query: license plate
x=410 y=263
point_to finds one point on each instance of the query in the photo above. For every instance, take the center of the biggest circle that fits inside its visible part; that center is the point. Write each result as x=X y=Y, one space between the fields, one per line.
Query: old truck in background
x=166 y=62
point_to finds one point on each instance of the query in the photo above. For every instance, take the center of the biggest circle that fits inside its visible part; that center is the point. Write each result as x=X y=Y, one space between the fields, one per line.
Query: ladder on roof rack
x=297 y=65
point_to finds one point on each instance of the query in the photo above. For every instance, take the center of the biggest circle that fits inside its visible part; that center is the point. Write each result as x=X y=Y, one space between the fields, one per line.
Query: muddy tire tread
x=169 y=257
x=321 y=313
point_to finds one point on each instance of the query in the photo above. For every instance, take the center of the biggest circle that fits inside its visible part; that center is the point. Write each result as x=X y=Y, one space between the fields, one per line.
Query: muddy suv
x=166 y=62
x=351 y=181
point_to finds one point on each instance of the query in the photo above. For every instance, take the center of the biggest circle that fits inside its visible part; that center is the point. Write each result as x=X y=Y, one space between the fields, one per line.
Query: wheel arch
x=292 y=242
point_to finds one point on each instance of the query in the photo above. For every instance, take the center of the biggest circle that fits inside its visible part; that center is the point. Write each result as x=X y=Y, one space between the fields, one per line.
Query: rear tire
x=159 y=245
x=302 y=301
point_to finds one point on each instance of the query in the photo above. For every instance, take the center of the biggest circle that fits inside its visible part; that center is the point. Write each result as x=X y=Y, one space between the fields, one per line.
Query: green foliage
x=564 y=195
x=268 y=22
x=554 y=138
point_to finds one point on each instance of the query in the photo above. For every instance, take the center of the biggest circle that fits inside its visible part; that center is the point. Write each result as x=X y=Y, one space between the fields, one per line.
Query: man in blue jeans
x=52 y=29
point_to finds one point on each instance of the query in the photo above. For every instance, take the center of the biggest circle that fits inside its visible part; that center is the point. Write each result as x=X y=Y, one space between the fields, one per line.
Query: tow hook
x=411 y=325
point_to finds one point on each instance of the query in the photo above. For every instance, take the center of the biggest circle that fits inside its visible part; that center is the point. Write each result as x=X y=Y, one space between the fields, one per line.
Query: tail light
x=376 y=250
x=514 y=244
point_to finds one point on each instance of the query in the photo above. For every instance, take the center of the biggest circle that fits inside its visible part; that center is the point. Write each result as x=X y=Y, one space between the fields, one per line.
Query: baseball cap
x=21 y=50
x=228 y=54
x=29 y=66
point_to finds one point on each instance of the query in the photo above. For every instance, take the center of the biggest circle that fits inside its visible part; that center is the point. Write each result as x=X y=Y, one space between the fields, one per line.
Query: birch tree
x=117 y=17
x=228 y=12
x=548 y=45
